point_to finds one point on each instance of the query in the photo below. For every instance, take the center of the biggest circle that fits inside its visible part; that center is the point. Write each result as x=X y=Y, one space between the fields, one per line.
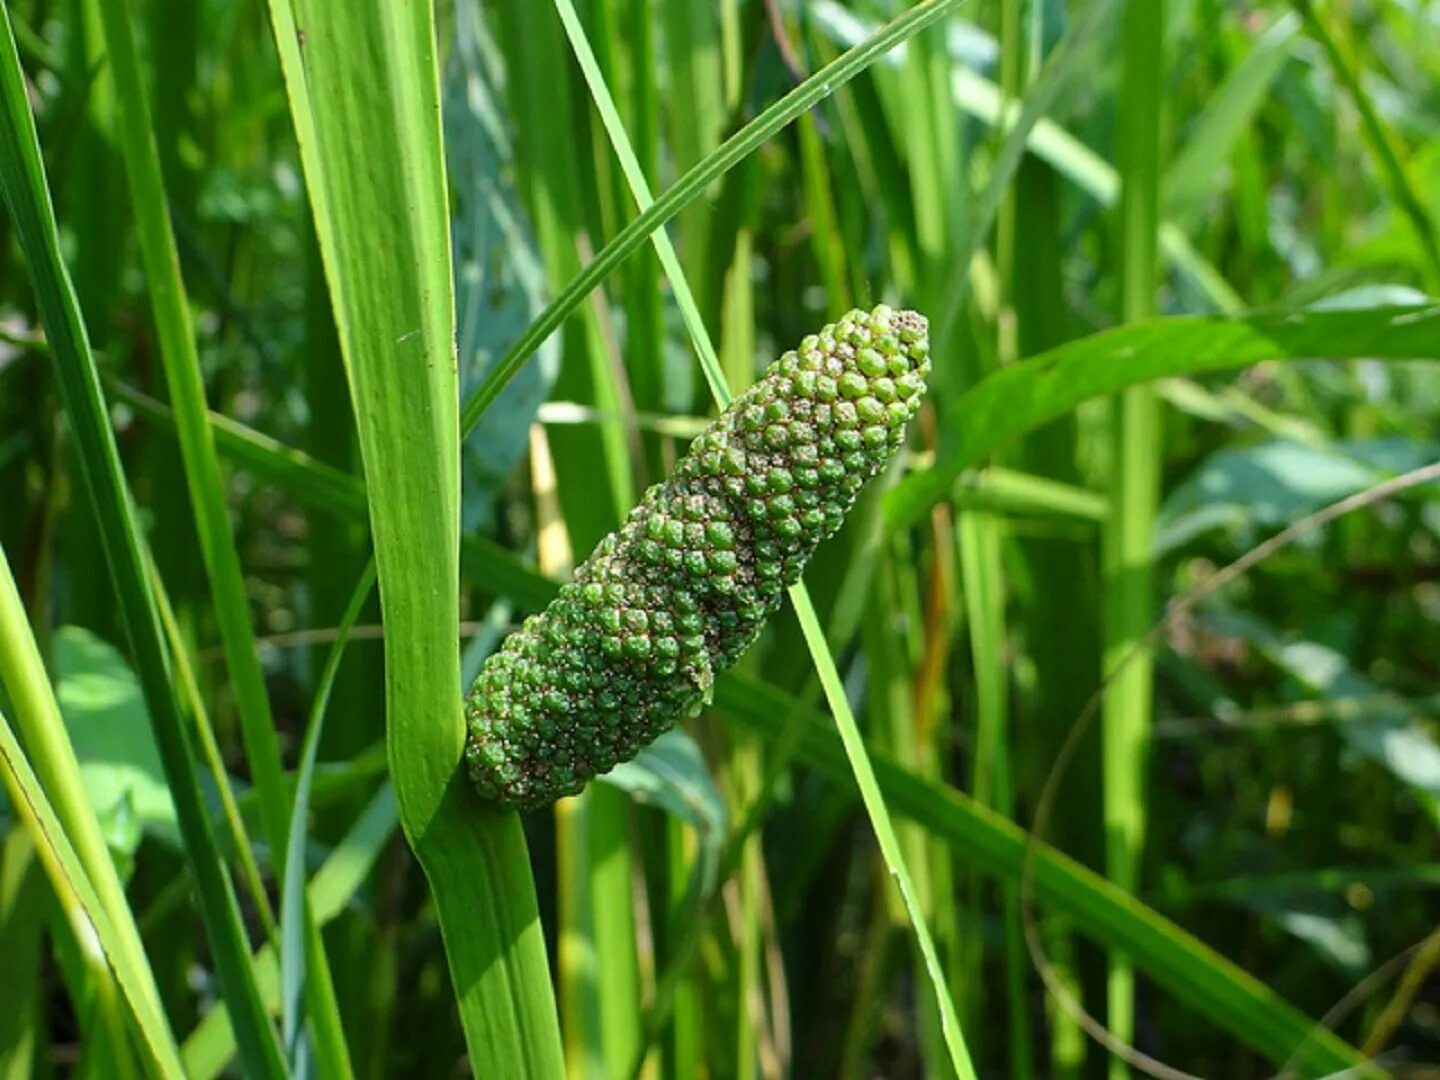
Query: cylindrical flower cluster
x=634 y=642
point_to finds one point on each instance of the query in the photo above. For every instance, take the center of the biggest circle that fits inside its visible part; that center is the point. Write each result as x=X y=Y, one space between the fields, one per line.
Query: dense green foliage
x=301 y=297
x=678 y=594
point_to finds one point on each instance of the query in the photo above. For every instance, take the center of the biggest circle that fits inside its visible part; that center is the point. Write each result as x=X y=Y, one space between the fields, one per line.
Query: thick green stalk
x=1129 y=604
x=364 y=96
x=1056 y=590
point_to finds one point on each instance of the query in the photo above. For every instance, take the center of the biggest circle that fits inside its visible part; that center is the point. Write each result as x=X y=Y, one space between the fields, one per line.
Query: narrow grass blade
x=693 y=184
x=171 y=311
x=210 y=1047
x=293 y=914
x=27 y=196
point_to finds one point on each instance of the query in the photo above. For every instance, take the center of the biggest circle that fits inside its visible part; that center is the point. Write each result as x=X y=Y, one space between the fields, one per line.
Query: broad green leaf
x=499 y=279
x=1258 y=489
x=105 y=713
x=1020 y=397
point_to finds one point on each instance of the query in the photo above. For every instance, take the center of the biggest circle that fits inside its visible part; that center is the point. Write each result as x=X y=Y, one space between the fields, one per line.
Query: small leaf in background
x=499 y=280
x=105 y=712
x=1260 y=489
x=1339 y=939
x=122 y=830
x=1394 y=736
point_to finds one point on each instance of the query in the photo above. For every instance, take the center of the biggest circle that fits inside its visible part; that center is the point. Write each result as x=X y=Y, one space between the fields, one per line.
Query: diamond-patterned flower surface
x=633 y=643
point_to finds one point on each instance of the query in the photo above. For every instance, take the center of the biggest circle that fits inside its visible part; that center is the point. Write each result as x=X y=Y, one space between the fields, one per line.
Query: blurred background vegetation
x=1028 y=173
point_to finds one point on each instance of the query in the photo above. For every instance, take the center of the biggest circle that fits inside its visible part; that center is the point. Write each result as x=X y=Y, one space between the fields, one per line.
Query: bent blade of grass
x=364 y=95
x=22 y=178
x=693 y=184
x=80 y=903
x=810 y=625
x=51 y=755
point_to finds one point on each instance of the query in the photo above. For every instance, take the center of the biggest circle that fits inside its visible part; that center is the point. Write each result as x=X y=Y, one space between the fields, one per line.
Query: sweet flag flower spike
x=681 y=590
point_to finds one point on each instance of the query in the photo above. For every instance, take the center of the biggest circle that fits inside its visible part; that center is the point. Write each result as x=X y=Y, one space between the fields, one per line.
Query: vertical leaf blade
x=364 y=94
